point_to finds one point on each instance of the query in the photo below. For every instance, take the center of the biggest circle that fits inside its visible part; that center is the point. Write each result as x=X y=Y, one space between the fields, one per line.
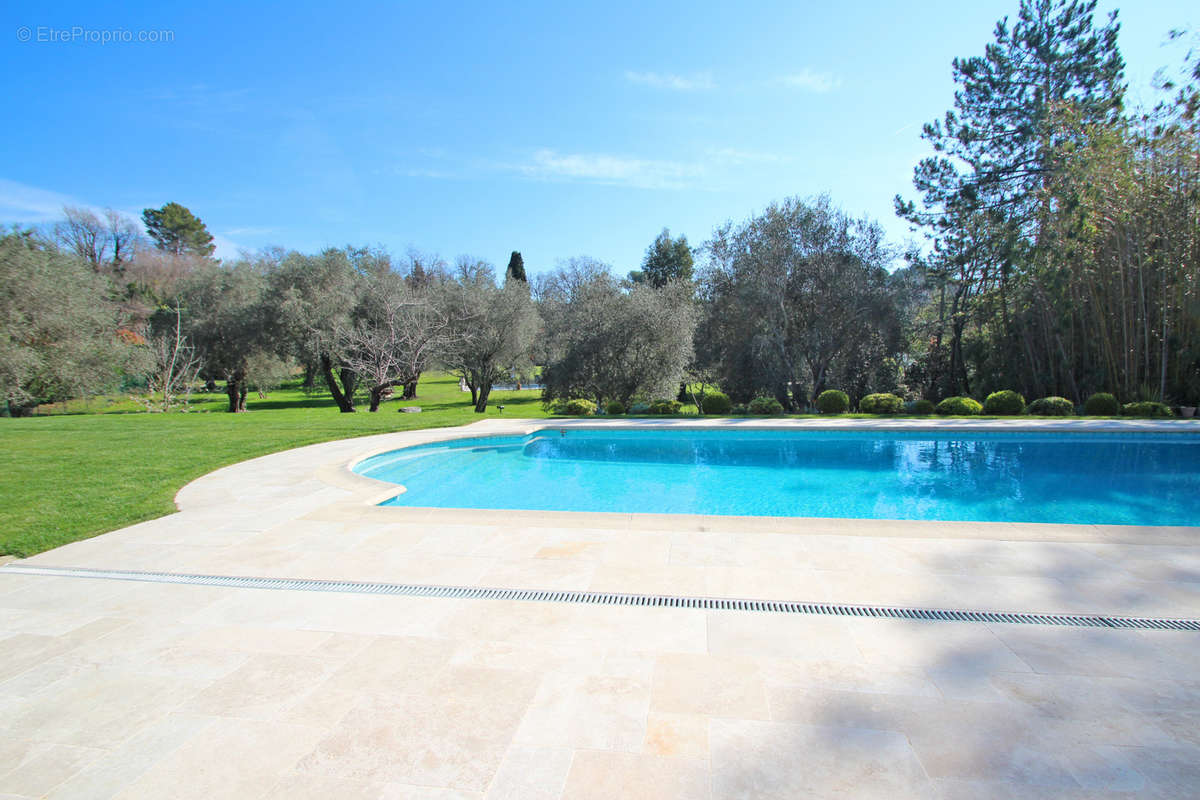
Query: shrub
x=1146 y=408
x=959 y=407
x=716 y=403
x=640 y=407
x=741 y=409
x=1102 y=404
x=579 y=408
x=833 y=401
x=765 y=406
x=1051 y=407
x=881 y=404
x=614 y=408
x=920 y=407
x=665 y=407
x=1004 y=403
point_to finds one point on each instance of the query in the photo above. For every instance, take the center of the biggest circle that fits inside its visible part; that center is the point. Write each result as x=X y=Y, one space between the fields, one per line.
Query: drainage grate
x=618 y=599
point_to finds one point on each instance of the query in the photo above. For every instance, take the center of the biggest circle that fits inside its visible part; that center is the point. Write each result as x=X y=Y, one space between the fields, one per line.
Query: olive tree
x=497 y=326
x=402 y=327
x=59 y=336
x=224 y=318
x=311 y=299
x=607 y=342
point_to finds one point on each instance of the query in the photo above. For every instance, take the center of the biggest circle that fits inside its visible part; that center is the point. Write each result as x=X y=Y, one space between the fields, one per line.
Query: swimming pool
x=1093 y=478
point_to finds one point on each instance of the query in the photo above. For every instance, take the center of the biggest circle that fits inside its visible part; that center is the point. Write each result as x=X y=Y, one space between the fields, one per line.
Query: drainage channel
x=620 y=599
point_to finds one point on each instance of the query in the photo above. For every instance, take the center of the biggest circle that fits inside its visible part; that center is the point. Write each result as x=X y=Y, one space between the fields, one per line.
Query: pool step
x=620 y=599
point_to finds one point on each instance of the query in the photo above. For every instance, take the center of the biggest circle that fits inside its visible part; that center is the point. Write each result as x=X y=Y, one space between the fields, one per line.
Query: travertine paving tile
x=452 y=735
x=597 y=712
x=35 y=768
x=297 y=786
x=849 y=676
x=95 y=708
x=261 y=688
x=676 y=735
x=531 y=773
x=231 y=758
x=784 y=760
x=792 y=636
x=401 y=791
x=106 y=775
x=669 y=630
x=724 y=686
x=599 y=775
x=540 y=573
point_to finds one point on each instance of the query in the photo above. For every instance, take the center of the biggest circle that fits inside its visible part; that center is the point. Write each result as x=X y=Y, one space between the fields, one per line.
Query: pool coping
x=368 y=493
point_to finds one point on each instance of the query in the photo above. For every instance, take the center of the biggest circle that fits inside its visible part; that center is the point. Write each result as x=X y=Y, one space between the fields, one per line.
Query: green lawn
x=90 y=468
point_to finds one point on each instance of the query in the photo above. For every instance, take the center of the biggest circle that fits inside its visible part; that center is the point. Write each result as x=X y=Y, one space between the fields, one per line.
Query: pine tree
x=996 y=147
x=666 y=260
x=176 y=230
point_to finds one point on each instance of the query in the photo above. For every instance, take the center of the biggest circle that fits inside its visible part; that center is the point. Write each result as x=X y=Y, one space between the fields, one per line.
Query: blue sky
x=557 y=129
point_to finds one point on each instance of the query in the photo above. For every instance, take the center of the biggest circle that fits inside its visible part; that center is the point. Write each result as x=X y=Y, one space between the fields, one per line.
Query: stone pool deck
x=112 y=688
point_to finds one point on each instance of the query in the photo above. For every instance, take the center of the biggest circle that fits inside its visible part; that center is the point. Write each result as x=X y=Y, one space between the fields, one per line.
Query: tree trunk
x=377 y=393
x=15 y=410
x=410 y=389
x=484 y=390
x=349 y=381
x=784 y=398
x=345 y=403
x=235 y=389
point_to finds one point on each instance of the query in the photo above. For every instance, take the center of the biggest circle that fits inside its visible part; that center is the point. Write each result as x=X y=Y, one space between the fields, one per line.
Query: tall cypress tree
x=516 y=268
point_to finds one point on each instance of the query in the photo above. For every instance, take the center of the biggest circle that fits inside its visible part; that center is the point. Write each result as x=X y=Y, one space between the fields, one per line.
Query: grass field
x=85 y=469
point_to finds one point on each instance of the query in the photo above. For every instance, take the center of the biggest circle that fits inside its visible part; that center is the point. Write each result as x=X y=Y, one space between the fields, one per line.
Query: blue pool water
x=1096 y=478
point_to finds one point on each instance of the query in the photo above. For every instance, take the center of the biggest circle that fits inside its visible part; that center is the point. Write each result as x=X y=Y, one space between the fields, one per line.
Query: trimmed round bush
x=741 y=409
x=1005 y=403
x=716 y=403
x=1146 y=409
x=833 y=401
x=959 y=407
x=1051 y=407
x=882 y=403
x=665 y=407
x=615 y=408
x=1102 y=404
x=920 y=407
x=765 y=406
x=579 y=408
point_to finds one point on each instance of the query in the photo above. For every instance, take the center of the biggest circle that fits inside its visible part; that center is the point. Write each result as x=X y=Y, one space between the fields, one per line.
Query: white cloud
x=227 y=249
x=250 y=231
x=610 y=169
x=810 y=80
x=666 y=80
x=22 y=203
x=735 y=157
